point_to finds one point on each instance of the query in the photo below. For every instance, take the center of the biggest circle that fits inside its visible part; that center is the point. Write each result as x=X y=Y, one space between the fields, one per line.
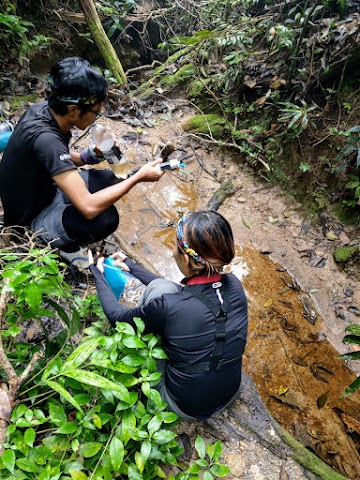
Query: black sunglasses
x=97 y=114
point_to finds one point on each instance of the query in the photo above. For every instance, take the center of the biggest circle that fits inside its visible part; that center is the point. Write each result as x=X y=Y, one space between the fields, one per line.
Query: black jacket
x=187 y=328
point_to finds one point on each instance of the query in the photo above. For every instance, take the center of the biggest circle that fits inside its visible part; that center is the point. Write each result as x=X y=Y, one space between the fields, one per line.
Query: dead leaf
x=319 y=371
x=246 y=222
x=273 y=220
x=351 y=422
x=249 y=82
x=299 y=361
x=283 y=389
x=331 y=235
x=276 y=82
x=268 y=303
x=322 y=400
x=286 y=401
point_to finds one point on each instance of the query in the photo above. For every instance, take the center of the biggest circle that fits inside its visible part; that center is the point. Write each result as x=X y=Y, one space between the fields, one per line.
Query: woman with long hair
x=202 y=321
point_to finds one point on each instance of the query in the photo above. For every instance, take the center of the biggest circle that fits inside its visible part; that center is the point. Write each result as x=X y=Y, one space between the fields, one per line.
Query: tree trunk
x=102 y=41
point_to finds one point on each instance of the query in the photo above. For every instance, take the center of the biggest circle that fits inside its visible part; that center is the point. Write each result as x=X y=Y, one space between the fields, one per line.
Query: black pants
x=61 y=225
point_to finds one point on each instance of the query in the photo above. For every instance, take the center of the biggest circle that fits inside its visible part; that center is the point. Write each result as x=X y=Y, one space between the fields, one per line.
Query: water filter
x=115 y=277
x=4 y=139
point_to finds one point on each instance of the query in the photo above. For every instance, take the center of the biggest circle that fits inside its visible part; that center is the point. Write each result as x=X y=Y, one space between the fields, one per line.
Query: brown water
x=296 y=370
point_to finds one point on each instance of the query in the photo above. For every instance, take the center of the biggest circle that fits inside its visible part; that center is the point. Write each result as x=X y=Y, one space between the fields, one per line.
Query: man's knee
x=109 y=220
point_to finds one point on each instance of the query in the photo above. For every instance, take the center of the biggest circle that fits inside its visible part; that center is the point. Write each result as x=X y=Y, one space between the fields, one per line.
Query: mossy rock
x=170 y=82
x=344 y=254
x=211 y=123
x=196 y=88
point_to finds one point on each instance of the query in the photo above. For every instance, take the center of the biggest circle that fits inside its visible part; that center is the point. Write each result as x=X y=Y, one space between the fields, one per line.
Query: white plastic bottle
x=105 y=142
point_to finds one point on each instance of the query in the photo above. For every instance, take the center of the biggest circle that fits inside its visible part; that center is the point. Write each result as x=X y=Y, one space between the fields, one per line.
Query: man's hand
x=99 y=262
x=150 y=172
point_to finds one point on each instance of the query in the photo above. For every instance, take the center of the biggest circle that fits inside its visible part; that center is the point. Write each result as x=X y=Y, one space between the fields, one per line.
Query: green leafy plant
x=352 y=146
x=88 y=411
x=208 y=462
x=353 y=338
x=305 y=167
x=15 y=33
x=354 y=185
x=297 y=117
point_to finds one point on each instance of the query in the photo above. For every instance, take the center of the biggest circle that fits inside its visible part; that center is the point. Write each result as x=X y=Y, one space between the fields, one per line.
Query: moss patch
x=344 y=254
x=211 y=123
x=178 y=78
x=19 y=101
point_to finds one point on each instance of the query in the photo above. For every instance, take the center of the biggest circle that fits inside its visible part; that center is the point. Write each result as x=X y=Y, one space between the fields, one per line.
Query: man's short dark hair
x=72 y=81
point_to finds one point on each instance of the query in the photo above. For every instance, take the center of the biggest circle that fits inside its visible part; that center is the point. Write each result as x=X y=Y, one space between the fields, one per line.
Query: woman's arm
x=144 y=275
x=114 y=311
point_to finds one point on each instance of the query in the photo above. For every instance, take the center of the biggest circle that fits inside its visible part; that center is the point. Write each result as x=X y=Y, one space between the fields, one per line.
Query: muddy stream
x=288 y=354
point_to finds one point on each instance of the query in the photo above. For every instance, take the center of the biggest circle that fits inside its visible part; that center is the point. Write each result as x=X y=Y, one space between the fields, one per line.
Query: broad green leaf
x=90 y=449
x=77 y=475
x=75 y=322
x=27 y=465
x=207 y=476
x=132 y=341
x=158 y=353
x=156 y=398
x=152 y=342
x=163 y=436
x=140 y=462
x=128 y=424
x=68 y=428
x=350 y=356
x=91 y=378
x=351 y=388
x=133 y=360
x=154 y=425
x=8 y=460
x=33 y=295
x=168 y=417
x=214 y=450
x=81 y=354
x=352 y=339
x=145 y=450
x=57 y=414
x=200 y=446
x=194 y=469
x=60 y=311
x=202 y=462
x=29 y=436
x=116 y=450
x=116 y=367
x=128 y=380
x=220 y=470
x=64 y=393
x=354 y=328
x=133 y=473
x=159 y=472
x=41 y=455
x=139 y=324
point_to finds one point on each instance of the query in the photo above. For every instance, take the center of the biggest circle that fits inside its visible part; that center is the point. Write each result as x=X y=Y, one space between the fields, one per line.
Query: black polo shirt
x=36 y=152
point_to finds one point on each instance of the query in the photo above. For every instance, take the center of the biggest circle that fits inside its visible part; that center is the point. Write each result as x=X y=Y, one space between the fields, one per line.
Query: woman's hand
x=119 y=258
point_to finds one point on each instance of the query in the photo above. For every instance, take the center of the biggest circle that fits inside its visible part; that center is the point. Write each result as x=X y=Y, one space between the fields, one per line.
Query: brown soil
x=294 y=287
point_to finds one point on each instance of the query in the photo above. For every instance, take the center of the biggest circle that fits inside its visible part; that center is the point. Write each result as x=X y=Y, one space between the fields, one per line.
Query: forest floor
x=300 y=301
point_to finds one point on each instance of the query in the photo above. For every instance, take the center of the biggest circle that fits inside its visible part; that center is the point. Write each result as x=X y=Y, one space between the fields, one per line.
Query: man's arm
x=75 y=157
x=92 y=204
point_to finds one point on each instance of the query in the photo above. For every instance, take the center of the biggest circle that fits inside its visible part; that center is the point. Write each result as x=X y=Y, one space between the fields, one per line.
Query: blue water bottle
x=4 y=140
x=115 y=277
